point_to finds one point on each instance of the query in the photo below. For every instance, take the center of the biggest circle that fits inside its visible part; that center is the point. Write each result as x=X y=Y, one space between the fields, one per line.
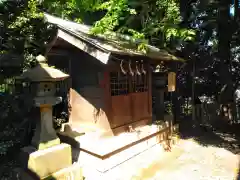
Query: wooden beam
x=84 y=46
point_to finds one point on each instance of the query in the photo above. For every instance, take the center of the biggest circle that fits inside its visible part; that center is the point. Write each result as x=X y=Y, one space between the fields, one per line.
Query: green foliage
x=117 y=10
x=24 y=31
x=65 y=9
x=157 y=19
x=144 y=19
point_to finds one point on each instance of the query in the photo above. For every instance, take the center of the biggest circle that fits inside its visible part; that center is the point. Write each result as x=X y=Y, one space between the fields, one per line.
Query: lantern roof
x=43 y=72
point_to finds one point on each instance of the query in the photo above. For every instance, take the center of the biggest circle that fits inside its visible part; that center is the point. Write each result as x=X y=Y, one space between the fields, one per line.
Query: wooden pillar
x=160 y=105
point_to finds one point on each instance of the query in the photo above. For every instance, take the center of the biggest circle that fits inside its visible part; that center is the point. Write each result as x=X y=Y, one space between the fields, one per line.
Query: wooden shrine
x=110 y=93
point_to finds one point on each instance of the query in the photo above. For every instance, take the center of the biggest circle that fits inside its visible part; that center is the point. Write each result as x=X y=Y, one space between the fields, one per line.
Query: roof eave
x=162 y=57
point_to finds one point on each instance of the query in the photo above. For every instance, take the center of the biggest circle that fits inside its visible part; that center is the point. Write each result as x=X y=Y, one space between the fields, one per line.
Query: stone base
x=45 y=162
x=73 y=172
x=106 y=153
x=132 y=165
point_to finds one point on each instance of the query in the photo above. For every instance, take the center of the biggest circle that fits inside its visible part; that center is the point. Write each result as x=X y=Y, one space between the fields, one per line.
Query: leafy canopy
x=23 y=29
x=155 y=20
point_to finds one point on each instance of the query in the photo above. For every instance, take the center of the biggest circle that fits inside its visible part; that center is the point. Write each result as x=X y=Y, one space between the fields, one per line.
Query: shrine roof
x=110 y=42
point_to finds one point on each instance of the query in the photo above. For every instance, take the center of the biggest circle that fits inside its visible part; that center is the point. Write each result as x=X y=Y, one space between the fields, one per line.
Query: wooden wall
x=92 y=104
x=87 y=95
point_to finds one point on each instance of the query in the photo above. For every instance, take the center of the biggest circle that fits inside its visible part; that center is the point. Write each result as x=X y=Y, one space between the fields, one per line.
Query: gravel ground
x=203 y=153
x=197 y=162
x=208 y=153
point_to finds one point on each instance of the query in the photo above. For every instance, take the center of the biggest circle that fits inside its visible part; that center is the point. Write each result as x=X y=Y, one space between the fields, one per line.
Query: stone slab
x=47 y=161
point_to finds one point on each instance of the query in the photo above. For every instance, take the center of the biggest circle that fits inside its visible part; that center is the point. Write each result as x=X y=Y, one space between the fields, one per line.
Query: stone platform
x=102 y=153
x=104 y=147
x=124 y=165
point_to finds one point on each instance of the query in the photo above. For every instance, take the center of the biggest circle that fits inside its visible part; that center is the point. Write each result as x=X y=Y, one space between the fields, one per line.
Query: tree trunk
x=224 y=38
x=224 y=52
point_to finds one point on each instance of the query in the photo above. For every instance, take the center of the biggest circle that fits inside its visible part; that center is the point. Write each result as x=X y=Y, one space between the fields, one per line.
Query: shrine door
x=129 y=98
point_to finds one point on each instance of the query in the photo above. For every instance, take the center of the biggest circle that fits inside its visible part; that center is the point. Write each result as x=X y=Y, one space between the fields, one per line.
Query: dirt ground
x=203 y=153
x=191 y=161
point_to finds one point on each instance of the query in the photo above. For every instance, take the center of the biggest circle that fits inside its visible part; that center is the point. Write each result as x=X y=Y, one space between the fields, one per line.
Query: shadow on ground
x=220 y=134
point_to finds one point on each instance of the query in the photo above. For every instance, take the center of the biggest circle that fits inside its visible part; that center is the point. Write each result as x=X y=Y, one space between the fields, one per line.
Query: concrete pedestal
x=54 y=162
x=47 y=161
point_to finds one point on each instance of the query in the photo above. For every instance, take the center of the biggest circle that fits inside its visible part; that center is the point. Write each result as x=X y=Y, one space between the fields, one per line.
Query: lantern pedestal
x=45 y=136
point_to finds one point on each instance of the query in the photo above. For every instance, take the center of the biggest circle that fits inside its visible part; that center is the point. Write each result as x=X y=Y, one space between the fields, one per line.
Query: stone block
x=47 y=161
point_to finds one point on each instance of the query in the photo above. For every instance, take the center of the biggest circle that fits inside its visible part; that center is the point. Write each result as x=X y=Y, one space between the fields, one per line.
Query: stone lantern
x=46 y=157
x=43 y=80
